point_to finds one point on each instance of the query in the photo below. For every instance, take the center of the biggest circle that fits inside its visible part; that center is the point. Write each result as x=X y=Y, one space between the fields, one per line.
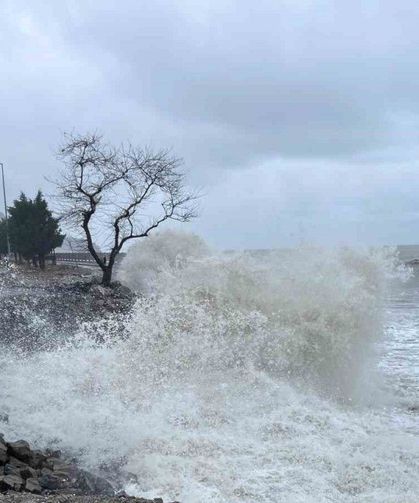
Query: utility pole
x=5 y=209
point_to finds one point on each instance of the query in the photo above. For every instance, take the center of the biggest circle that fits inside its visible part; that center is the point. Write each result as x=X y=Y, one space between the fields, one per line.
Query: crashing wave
x=212 y=393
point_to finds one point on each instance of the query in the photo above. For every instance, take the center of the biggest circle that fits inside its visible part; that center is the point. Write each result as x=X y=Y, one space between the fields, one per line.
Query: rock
x=10 y=483
x=69 y=473
x=100 y=291
x=92 y=484
x=32 y=486
x=11 y=470
x=28 y=473
x=23 y=471
x=52 y=482
x=54 y=464
x=17 y=462
x=53 y=454
x=123 y=291
x=157 y=500
x=70 y=470
x=20 y=450
x=3 y=453
x=37 y=459
x=103 y=487
x=38 y=472
x=86 y=482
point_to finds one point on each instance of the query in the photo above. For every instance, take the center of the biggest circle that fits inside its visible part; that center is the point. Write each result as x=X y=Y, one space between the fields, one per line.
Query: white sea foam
x=239 y=378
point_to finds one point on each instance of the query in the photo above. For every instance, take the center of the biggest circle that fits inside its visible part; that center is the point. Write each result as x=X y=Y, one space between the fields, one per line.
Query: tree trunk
x=42 y=262
x=35 y=261
x=107 y=275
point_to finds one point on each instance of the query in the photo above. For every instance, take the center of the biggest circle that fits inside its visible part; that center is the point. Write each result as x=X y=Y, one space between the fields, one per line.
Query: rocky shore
x=40 y=307
x=32 y=318
x=47 y=476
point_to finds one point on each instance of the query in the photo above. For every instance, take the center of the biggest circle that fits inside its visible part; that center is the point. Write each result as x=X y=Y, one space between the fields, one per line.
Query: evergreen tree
x=34 y=232
x=20 y=227
x=47 y=232
x=3 y=237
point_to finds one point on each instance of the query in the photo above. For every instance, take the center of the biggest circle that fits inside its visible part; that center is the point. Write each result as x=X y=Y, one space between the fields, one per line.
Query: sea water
x=273 y=377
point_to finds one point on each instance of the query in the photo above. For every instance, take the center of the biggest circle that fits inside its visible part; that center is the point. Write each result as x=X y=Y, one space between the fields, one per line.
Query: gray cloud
x=289 y=80
x=307 y=104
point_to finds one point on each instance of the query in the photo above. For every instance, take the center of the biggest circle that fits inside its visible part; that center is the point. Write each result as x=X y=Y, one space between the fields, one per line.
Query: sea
x=238 y=378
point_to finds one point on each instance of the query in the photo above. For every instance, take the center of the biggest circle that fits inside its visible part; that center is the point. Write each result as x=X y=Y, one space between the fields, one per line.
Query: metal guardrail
x=79 y=258
x=76 y=257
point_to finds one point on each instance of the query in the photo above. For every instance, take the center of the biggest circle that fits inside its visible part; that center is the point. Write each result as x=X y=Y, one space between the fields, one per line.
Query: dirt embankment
x=38 y=308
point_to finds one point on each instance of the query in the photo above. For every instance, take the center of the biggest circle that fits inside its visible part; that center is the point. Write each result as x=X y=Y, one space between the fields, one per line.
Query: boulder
x=53 y=453
x=28 y=473
x=55 y=464
x=86 y=482
x=17 y=462
x=36 y=472
x=103 y=487
x=32 y=486
x=10 y=483
x=37 y=459
x=69 y=473
x=20 y=450
x=52 y=482
x=25 y=471
x=11 y=470
x=92 y=484
x=3 y=453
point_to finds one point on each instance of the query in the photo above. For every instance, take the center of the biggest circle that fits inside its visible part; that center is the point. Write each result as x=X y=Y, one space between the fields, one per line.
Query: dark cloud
x=295 y=79
x=287 y=93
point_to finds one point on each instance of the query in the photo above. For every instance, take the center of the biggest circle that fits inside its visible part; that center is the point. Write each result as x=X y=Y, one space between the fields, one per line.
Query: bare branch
x=105 y=187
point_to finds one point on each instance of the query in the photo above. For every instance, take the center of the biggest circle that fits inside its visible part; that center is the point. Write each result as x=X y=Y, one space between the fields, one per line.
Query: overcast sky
x=299 y=119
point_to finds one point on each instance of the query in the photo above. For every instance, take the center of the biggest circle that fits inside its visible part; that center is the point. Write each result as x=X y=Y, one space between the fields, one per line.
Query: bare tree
x=119 y=193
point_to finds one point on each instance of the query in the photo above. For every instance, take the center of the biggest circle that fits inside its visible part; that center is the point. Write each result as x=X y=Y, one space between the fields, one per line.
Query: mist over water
x=236 y=378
